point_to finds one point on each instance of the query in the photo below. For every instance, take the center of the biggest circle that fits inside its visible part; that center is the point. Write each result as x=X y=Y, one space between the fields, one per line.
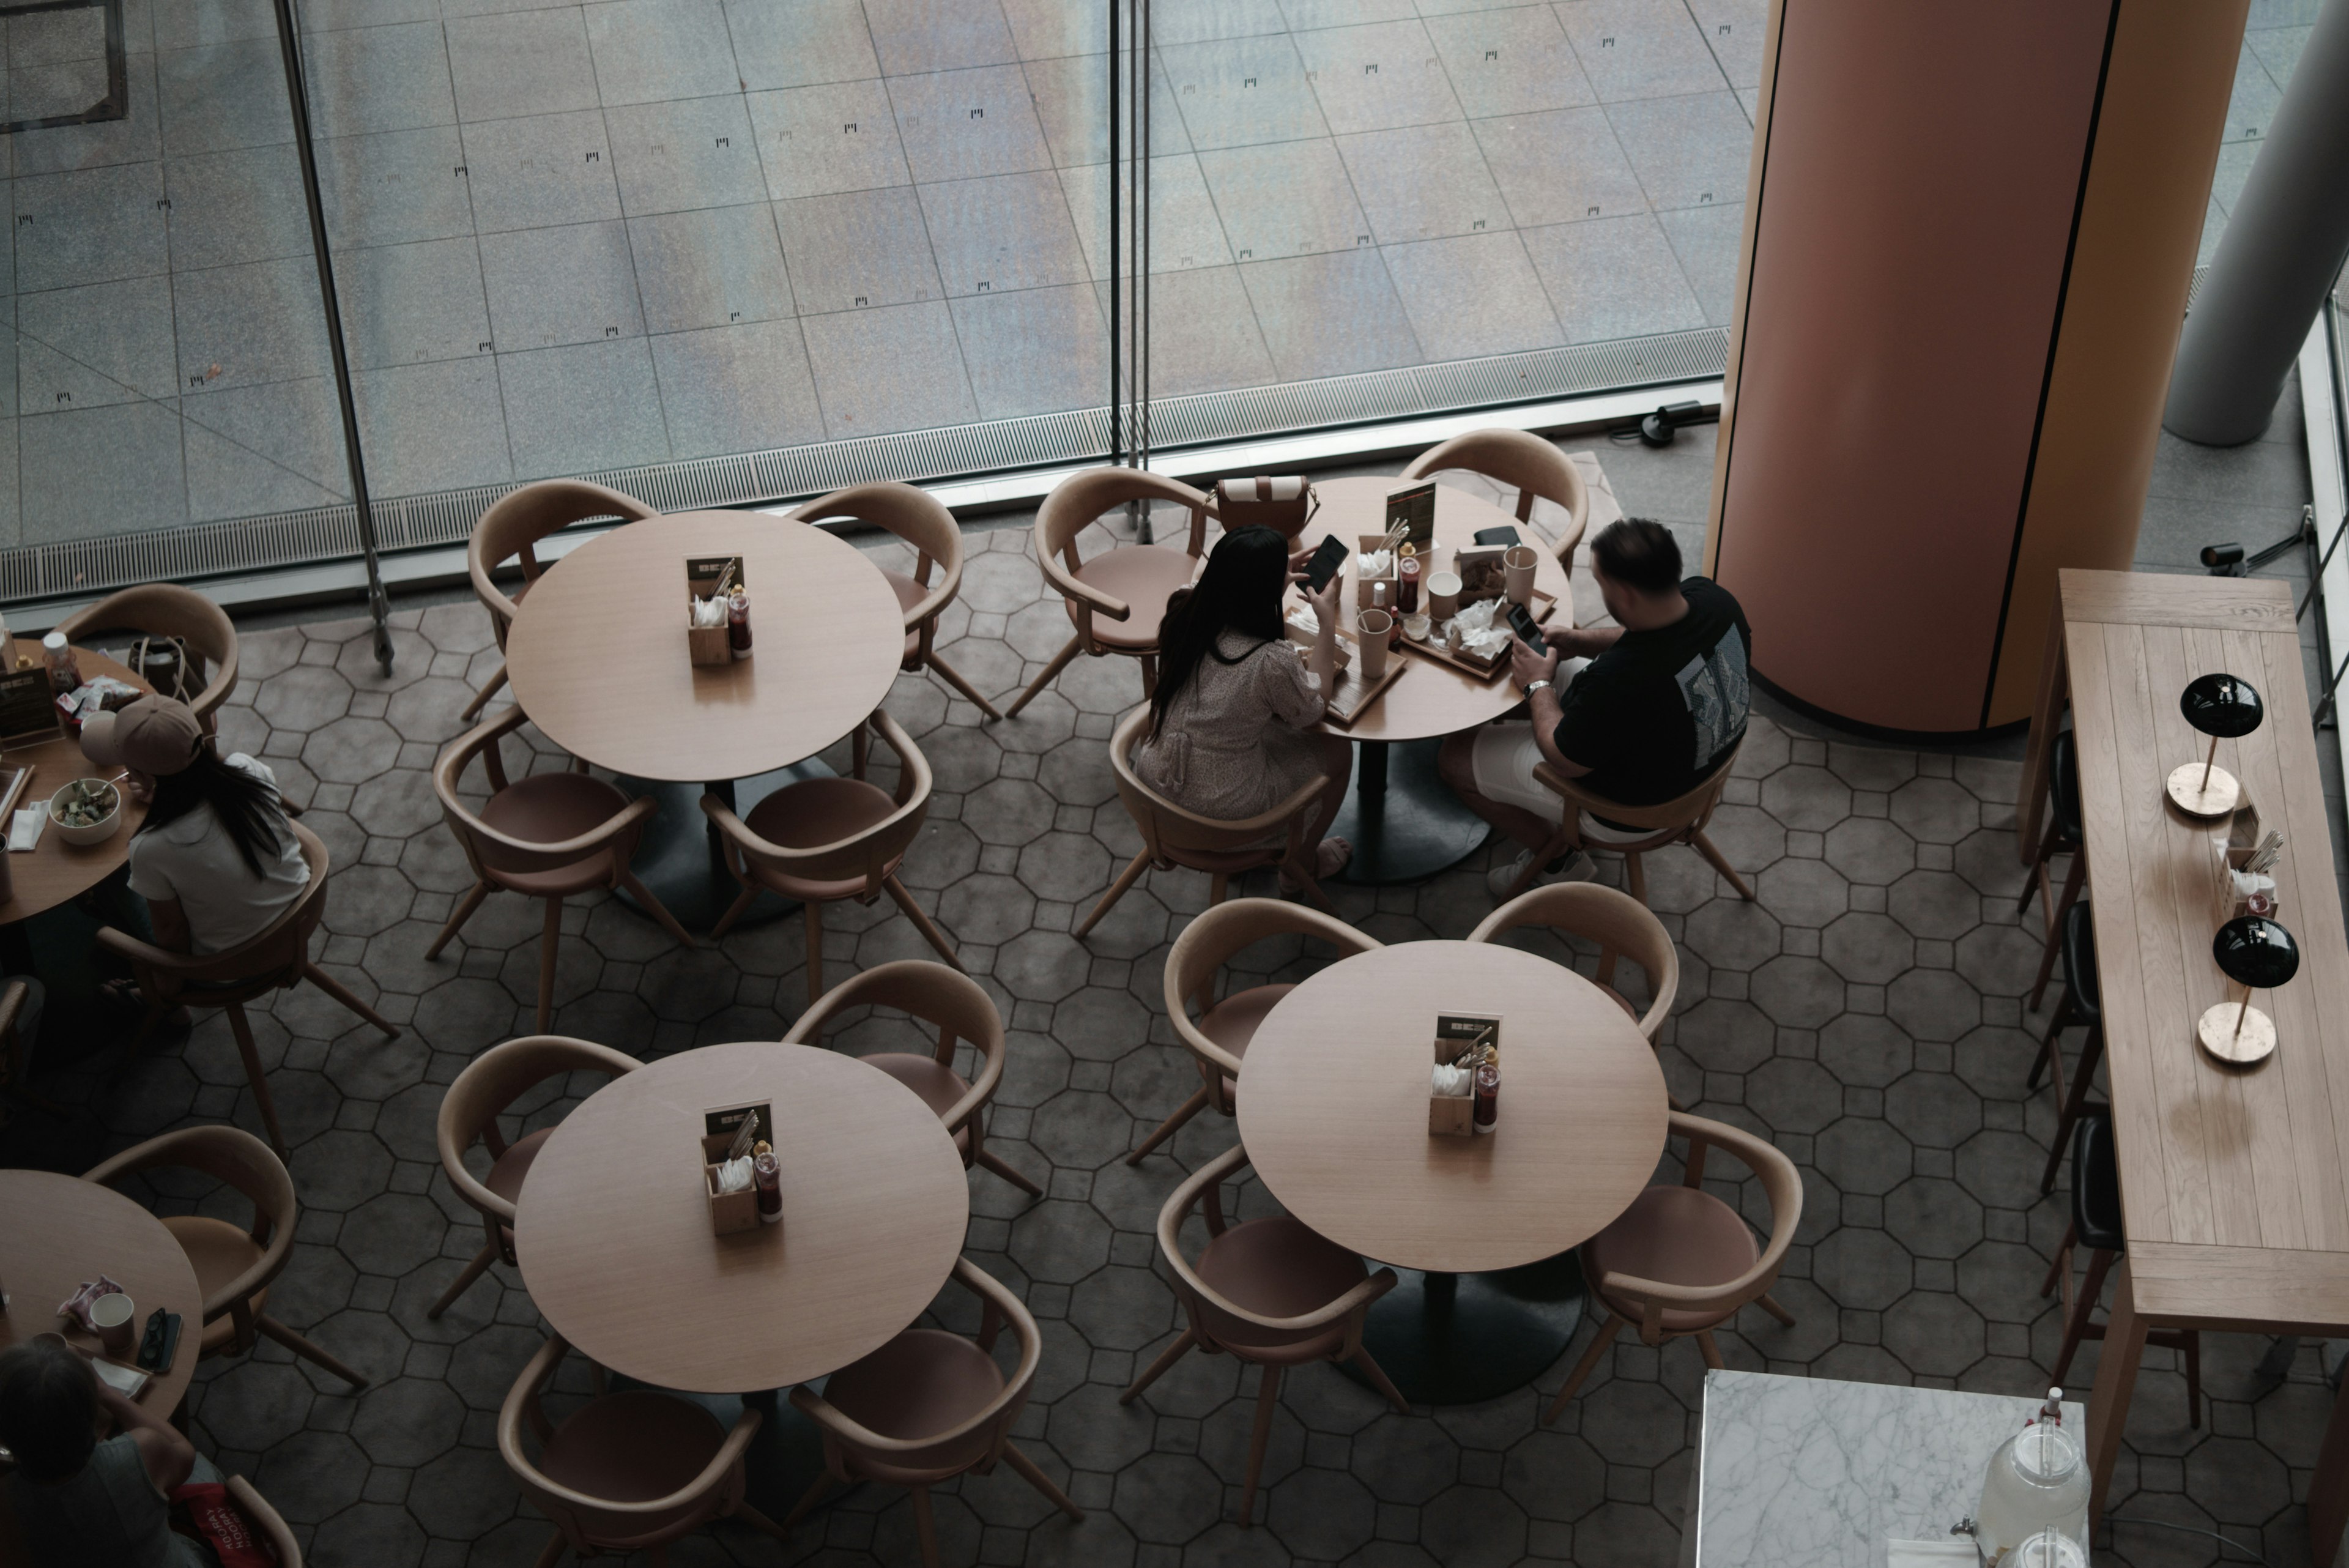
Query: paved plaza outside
x=1866 y=1014
x=577 y=237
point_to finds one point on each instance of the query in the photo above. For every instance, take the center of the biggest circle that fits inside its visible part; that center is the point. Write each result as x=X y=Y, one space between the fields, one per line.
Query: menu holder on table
x=1412 y=508
x=723 y=1129
x=28 y=707
x=706 y=577
x=1453 y=1114
x=1441 y=652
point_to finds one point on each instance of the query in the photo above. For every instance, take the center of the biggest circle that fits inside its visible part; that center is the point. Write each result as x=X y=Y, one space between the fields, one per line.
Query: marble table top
x=1813 y=1472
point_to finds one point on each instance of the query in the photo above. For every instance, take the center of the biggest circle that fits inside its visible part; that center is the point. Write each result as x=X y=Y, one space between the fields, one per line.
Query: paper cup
x=1376 y=627
x=1443 y=596
x=116 y=1319
x=1518 y=573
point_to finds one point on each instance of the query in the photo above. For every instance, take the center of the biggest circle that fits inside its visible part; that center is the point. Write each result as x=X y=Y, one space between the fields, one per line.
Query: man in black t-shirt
x=1658 y=706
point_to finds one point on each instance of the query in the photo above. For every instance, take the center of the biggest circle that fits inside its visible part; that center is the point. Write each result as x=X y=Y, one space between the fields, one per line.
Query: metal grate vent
x=330 y=533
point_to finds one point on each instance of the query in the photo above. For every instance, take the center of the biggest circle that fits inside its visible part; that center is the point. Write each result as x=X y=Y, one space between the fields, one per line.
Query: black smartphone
x=160 y=1343
x=1325 y=563
x=1521 y=621
x=1503 y=535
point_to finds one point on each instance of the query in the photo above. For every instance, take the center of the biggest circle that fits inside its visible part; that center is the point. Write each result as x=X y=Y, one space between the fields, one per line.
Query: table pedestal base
x=1402 y=818
x=680 y=857
x=1462 y=1339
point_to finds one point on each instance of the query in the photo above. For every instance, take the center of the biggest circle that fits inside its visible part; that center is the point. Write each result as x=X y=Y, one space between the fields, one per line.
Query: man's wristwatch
x=1535 y=687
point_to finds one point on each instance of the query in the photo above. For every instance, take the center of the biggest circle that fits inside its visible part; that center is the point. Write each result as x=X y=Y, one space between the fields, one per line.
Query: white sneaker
x=1502 y=880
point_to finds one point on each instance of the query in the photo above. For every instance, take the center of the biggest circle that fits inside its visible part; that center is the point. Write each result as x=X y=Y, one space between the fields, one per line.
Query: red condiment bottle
x=1488 y=1093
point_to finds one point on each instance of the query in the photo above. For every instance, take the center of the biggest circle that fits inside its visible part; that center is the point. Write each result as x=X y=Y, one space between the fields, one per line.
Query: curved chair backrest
x=266 y=1521
x=589 y=1523
x=1081 y=498
x=1216 y=1318
x=493 y=1080
x=915 y=516
x=865 y=856
x=1175 y=836
x=520 y=518
x=1211 y=938
x=1527 y=462
x=489 y=851
x=270 y=960
x=1671 y=820
x=946 y=999
x=1617 y=922
x=1780 y=1182
x=166 y=609
x=935 y=1456
x=235 y=1158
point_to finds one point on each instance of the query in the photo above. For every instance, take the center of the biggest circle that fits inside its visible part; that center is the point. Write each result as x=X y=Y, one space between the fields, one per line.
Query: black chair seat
x=2079 y=938
x=2096 y=1182
x=2064 y=789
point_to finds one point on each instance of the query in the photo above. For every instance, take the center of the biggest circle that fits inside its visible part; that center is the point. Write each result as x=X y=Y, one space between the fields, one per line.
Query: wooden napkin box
x=1455 y=1116
x=1362 y=583
x=709 y=644
x=728 y=1212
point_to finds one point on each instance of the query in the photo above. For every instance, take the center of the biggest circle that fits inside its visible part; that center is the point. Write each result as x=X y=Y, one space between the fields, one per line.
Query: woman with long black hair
x=215 y=860
x=1231 y=722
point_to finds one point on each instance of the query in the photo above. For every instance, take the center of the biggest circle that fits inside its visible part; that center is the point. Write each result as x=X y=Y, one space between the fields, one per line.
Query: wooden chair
x=2097 y=1225
x=822 y=839
x=513 y=523
x=1218 y=1039
x=234 y=1268
x=931 y=1406
x=1117 y=599
x=1271 y=1291
x=954 y=1003
x=1680 y=1261
x=1622 y=926
x=276 y=1535
x=921 y=520
x=2064 y=836
x=164 y=609
x=2077 y=942
x=14 y=1060
x=1681 y=821
x=470 y=1109
x=1172 y=836
x=626 y=1472
x=276 y=960
x=1532 y=464
x=548 y=835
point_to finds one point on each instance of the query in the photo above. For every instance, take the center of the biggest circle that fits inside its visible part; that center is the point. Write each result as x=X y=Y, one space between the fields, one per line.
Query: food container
x=86 y=812
x=728 y=1212
x=706 y=578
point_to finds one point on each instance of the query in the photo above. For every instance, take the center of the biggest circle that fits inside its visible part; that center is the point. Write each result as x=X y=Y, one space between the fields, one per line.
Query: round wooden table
x=1402 y=820
x=57 y=1232
x=56 y=870
x=1333 y=1111
x=613 y=1229
x=596 y=657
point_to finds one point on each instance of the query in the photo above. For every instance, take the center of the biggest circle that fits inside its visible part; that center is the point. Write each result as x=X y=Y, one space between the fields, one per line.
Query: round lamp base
x=2254 y=1041
x=2190 y=795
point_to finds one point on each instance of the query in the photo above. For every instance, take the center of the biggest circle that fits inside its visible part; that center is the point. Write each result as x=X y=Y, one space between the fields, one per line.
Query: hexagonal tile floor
x=1866 y=1012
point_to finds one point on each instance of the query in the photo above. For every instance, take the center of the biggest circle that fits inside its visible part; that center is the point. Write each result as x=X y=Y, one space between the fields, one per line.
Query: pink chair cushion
x=633 y=1447
x=1277 y=1268
x=1233 y=1021
x=1140 y=575
x=923 y=1382
x=814 y=813
x=547 y=808
x=507 y=1171
x=909 y=594
x=940 y=1088
x=1676 y=1236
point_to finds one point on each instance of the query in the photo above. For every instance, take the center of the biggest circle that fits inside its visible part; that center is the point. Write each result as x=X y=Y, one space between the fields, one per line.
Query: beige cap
x=156 y=735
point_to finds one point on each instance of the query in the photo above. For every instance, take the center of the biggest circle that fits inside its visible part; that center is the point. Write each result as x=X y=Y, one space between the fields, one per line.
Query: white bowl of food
x=86 y=811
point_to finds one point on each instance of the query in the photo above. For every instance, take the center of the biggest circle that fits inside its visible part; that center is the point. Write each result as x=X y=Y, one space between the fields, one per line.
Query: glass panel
x=169 y=362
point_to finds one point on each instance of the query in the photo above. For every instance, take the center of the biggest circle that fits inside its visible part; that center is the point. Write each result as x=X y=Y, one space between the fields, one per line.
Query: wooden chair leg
x=1635 y=876
x=307 y=1350
x=1584 y=1367
x=1149 y=675
x=1380 y=1381
x=1117 y=889
x=1267 y=1398
x=1012 y=1173
x=2077 y=1326
x=242 y=1027
x=2049 y=1059
x=954 y=678
x=1769 y=1303
x=2084 y=1077
x=2193 y=1351
x=471 y=902
x=1705 y=1342
x=1721 y=863
x=1560 y=843
x=1060 y=663
x=489 y=688
x=759 y=1522
x=811 y=911
x=814 y=1494
x=463 y=1281
x=550 y=938
x=2047 y=957
x=553 y=1552
x=734 y=911
x=342 y=994
x=1157 y=1369
x=655 y=907
x=2061 y=1262
x=2032 y=878
x=1034 y=1474
x=925 y=1529
x=931 y=931
x=1218 y=885
x=1171 y=1125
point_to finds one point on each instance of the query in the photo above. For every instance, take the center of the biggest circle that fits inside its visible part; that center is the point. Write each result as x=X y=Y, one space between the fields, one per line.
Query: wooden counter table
x=1402 y=820
x=57 y=1232
x=1333 y=1110
x=56 y=872
x=2235 y=1181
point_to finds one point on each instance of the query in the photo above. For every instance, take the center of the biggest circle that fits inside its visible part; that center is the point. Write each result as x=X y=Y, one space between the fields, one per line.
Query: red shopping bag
x=218 y=1522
